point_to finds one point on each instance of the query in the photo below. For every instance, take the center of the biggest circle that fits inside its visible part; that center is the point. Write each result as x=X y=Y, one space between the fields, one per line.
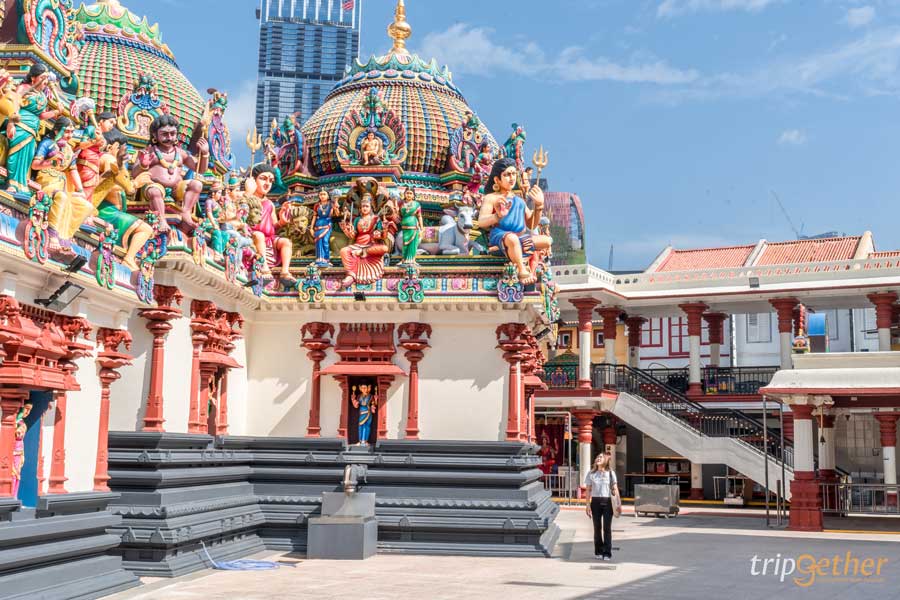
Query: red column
x=222 y=414
x=806 y=494
x=884 y=317
x=784 y=307
x=887 y=424
x=11 y=400
x=635 y=325
x=413 y=340
x=610 y=316
x=58 y=458
x=345 y=401
x=585 y=308
x=167 y=298
x=694 y=312
x=510 y=340
x=109 y=360
x=194 y=423
x=584 y=421
x=799 y=316
x=313 y=338
x=384 y=384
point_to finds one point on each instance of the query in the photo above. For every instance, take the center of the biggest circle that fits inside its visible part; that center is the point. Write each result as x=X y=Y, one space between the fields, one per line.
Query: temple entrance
x=212 y=415
x=362 y=410
x=31 y=447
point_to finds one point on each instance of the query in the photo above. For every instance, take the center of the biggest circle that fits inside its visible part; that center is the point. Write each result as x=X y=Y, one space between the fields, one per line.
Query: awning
x=363 y=369
x=219 y=359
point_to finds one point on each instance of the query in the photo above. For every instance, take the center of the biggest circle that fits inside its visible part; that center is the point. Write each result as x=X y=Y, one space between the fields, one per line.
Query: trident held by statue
x=540 y=159
x=254 y=142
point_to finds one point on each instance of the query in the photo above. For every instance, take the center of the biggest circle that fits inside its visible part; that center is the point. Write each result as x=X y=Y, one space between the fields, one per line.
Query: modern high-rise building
x=567 y=227
x=304 y=47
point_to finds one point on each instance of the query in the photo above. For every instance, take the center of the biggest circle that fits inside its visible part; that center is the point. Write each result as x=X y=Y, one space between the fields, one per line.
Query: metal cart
x=661 y=500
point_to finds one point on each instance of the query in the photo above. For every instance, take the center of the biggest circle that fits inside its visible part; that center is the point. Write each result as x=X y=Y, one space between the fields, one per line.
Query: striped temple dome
x=116 y=46
x=420 y=93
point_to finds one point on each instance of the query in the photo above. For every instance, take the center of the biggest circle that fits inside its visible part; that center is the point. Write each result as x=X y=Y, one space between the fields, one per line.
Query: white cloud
x=869 y=65
x=859 y=17
x=792 y=137
x=471 y=50
x=674 y=8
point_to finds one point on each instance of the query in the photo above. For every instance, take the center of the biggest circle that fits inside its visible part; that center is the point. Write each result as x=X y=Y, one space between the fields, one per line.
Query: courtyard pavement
x=696 y=555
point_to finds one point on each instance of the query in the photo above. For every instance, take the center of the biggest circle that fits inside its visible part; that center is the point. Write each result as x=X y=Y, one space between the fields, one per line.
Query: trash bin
x=661 y=500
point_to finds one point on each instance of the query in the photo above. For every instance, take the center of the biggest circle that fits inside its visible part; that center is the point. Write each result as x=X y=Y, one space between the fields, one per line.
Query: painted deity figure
x=365 y=402
x=548 y=454
x=54 y=162
x=110 y=198
x=163 y=160
x=18 y=460
x=232 y=220
x=481 y=170
x=22 y=128
x=362 y=258
x=372 y=150
x=326 y=209
x=411 y=225
x=515 y=146
x=275 y=248
x=510 y=221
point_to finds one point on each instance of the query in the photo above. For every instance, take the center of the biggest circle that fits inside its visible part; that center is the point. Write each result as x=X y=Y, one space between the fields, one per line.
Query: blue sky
x=674 y=120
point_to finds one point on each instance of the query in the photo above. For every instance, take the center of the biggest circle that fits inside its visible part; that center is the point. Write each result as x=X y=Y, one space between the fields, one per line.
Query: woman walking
x=601 y=487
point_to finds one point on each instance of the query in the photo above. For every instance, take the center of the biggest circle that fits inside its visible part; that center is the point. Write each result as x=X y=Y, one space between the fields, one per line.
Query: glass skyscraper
x=304 y=47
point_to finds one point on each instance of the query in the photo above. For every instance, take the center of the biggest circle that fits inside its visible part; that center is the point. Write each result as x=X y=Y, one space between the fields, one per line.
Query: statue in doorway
x=19 y=448
x=365 y=402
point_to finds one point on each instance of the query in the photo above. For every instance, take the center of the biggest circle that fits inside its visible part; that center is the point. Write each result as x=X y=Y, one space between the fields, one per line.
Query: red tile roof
x=706 y=258
x=803 y=251
x=886 y=254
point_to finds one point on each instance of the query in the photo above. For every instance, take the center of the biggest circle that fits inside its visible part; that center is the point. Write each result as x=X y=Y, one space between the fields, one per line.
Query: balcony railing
x=560 y=377
x=740 y=381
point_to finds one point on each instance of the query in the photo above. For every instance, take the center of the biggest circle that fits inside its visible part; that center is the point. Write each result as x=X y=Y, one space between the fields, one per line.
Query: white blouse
x=600 y=483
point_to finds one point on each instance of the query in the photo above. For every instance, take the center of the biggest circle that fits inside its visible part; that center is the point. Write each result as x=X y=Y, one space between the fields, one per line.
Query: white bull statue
x=453 y=233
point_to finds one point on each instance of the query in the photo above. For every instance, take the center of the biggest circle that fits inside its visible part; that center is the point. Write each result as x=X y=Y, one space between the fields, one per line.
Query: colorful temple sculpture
x=365 y=290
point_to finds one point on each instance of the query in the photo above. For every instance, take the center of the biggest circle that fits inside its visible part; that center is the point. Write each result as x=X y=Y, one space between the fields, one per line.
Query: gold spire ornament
x=400 y=30
x=254 y=143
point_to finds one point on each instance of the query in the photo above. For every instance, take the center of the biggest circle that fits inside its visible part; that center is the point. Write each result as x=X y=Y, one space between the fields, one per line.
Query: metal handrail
x=712 y=422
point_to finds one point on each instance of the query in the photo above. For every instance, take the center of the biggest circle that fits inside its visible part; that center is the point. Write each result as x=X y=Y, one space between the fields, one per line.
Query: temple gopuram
x=192 y=350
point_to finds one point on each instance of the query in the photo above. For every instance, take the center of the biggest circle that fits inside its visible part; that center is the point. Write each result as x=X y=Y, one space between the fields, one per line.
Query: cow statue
x=453 y=233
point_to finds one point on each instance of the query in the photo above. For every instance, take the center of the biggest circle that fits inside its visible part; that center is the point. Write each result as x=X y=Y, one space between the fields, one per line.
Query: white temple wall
x=82 y=421
x=177 y=374
x=238 y=390
x=128 y=395
x=463 y=384
x=278 y=375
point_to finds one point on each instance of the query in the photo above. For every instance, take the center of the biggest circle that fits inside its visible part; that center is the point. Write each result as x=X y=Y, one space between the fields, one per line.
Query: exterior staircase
x=702 y=435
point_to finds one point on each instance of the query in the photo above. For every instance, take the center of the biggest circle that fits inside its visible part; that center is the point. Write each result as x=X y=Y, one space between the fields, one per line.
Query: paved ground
x=692 y=556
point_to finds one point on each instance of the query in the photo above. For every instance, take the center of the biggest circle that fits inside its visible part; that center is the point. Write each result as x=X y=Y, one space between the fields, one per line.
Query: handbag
x=617 y=506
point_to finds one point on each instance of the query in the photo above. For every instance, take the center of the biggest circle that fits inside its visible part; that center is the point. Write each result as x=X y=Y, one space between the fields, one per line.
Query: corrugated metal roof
x=805 y=251
x=706 y=258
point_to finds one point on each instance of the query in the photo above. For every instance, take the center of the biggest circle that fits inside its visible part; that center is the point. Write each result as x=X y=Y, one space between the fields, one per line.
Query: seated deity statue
x=372 y=150
x=509 y=220
x=163 y=159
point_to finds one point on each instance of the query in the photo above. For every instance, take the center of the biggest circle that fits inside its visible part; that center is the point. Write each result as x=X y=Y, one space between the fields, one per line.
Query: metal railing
x=712 y=422
x=563 y=486
x=717 y=380
x=560 y=376
x=736 y=380
x=860 y=498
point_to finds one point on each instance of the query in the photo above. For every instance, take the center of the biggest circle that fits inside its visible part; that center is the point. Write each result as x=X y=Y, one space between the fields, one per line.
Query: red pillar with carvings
x=345 y=403
x=584 y=423
x=887 y=425
x=384 y=384
x=167 y=300
x=11 y=400
x=314 y=339
x=510 y=339
x=784 y=308
x=799 y=316
x=715 y=323
x=110 y=360
x=806 y=493
x=413 y=338
x=204 y=316
x=884 y=308
x=610 y=316
x=585 y=308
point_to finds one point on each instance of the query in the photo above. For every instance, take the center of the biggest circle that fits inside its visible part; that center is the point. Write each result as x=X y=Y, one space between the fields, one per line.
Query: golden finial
x=254 y=143
x=400 y=30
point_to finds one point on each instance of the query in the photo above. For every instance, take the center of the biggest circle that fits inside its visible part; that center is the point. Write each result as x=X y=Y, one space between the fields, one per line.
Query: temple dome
x=116 y=46
x=419 y=92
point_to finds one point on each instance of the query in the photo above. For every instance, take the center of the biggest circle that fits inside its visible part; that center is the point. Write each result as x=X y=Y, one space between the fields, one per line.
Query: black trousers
x=602 y=513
